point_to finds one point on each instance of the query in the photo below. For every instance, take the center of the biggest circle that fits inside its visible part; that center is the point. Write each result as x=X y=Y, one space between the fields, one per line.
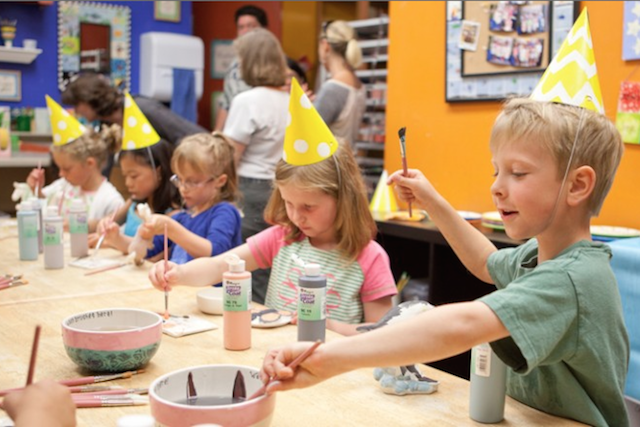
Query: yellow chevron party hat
x=383 y=200
x=572 y=78
x=137 y=132
x=307 y=139
x=64 y=126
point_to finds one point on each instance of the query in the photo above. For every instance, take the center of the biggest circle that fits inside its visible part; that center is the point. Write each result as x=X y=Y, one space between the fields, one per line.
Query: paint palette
x=179 y=326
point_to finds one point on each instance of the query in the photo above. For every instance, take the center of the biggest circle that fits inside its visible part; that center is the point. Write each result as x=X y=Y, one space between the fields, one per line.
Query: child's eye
x=518 y=174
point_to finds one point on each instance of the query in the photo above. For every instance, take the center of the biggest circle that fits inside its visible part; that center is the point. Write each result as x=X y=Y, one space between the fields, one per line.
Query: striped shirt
x=349 y=285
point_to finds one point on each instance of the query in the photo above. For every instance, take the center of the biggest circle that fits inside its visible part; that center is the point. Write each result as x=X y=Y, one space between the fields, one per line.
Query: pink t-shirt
x=349 y=285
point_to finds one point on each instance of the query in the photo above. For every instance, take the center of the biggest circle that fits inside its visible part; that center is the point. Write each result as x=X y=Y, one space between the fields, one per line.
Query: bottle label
x=52 y=233
x=30 y=226
x=481 y=360
x=78 y=223
x=312 y=303
x=236 y=294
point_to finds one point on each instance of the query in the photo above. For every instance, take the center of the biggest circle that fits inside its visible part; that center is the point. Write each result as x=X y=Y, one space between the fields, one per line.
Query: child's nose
x=497 y=188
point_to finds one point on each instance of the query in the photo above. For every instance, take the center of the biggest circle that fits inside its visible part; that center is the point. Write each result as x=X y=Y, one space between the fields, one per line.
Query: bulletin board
x=509 y=26
x=495 y=86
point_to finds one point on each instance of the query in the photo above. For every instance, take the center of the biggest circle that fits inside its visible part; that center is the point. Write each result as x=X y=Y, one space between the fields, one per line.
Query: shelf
x=374 y=146
x=372 y=44
x=370 y=26
x=371 y=73
x=375 y=59
x=368 y=161
x=18 y=55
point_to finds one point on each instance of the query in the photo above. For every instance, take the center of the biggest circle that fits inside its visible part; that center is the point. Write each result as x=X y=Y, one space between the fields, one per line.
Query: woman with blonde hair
x=256 y=124
x=341 y=99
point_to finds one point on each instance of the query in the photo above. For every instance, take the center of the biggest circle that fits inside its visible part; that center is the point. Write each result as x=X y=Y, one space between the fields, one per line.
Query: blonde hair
x=262 y=60
x=556 y=127
x=342 y=40
x=209 y=154
x=338 y=176
x=99 y=145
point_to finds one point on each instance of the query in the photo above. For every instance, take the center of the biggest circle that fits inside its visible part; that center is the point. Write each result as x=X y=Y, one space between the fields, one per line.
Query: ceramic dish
x=470 y=216
x=416 y=215
x=270 y=318
x=492 y=220
x=615 y=232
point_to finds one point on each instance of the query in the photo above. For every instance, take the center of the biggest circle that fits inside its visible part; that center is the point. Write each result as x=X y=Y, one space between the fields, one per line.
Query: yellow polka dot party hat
x=307 y=138
x=572 y=78
x=137 y=132
x=64 y=127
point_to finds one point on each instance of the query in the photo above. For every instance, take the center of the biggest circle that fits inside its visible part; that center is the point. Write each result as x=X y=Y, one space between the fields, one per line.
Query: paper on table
x=92 y=263
x=177 y=326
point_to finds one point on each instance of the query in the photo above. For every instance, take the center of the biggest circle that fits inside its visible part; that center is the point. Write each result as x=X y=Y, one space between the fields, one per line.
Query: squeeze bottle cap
x=77 y=205
x=236 y=265
x=312 y=269
x=25 y=205
x=51 y=211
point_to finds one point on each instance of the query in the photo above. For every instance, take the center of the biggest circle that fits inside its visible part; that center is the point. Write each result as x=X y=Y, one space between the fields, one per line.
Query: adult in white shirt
x=256 y=124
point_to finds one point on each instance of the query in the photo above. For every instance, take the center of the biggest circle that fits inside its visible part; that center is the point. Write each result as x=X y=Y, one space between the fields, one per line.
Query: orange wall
x=449 y=142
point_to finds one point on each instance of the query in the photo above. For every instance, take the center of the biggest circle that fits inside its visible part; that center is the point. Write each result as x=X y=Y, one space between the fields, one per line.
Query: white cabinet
x=373 y=39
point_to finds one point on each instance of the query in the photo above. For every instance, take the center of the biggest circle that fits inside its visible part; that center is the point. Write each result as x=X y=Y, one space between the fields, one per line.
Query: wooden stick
x=34 y=354
x=293 y=365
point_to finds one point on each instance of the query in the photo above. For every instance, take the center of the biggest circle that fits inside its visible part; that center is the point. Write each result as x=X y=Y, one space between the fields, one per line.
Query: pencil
x=34 y=354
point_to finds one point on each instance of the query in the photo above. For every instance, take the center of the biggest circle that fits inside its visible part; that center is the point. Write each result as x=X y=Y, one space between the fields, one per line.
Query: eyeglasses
x=188 y=185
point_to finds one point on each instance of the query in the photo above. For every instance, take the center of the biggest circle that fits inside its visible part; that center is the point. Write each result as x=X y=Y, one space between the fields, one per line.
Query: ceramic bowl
x=210 y=300
x=112 y=339
x=168 y=400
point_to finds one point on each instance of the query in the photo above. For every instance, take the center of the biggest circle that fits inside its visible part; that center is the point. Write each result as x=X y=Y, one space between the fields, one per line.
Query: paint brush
x=403 y=155
x=166 y=265
x=34 y=354
x=293 y=365
x=132 y=400
x=104 y=233
x=110 y=267
x=37 y=189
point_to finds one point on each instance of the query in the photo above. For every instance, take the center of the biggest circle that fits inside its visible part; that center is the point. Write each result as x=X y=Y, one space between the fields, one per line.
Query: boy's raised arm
x=470 y=245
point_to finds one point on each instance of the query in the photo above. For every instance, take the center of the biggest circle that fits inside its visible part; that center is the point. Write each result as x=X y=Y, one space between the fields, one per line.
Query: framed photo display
x=167 y=11
x=498 y=49
x=10 y=85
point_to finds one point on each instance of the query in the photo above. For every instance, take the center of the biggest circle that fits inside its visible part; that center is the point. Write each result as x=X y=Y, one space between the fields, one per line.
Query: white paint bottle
x=79 y=228
x=52 y=239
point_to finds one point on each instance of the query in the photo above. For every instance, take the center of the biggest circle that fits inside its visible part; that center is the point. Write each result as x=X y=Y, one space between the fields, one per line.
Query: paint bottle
x=136 y=420
x=38 y=205
x=312 y=304
x=27 y=232
x=236 y=305
x=79 y=228
x=488 y=385
x=52 y=239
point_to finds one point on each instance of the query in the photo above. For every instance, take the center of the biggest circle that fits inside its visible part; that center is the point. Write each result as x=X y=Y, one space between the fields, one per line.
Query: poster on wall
x=631 y=31
x=628 y=115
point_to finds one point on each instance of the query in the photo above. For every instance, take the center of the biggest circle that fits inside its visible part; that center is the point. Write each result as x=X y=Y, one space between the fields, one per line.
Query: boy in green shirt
x=555 y=318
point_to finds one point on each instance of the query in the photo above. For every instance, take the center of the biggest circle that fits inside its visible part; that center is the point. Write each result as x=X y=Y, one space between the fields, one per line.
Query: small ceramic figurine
x=138 y=246
x=8 y=31
x=404 y=379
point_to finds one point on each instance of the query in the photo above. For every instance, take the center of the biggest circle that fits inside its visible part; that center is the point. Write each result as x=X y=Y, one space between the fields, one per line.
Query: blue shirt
x=220 y=224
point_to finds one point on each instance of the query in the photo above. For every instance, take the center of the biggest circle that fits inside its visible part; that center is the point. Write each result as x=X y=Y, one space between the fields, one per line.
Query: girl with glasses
x=205 y=175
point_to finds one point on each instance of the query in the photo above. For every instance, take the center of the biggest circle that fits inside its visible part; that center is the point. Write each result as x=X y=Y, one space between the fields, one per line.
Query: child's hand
x=36 y=177
x=154 y=226
x=412 y=188
x=308 y=373
x=162 y=279
x=43 y=403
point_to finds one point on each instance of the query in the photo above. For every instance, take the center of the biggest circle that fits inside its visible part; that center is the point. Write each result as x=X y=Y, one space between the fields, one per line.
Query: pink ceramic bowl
x=167 y=397
x=112 y=339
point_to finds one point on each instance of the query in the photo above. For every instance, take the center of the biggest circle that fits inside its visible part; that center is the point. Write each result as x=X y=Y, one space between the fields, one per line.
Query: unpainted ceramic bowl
x=210 y=300
x=112 y=339
x=168 y=399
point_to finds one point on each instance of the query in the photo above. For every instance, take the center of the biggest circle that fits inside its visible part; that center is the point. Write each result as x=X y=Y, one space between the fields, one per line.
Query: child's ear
x=91 y=161
x=159 y=174
x=221 y=180
x=581 y=186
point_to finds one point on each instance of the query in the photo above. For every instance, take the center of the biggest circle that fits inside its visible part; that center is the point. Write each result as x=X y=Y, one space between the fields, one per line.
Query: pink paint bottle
x=236 y=305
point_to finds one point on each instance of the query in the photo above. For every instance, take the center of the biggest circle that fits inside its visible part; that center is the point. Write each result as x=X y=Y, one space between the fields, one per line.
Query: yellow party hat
x=572 y=78
x=383 y=200
x=307 y=139
x=64 y=126
x=137 y=132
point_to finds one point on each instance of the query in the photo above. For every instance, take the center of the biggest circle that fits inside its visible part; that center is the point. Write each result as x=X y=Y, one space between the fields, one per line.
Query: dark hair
x=96 y=91
x=166 y=196
x=295 y=66
x=254 y=11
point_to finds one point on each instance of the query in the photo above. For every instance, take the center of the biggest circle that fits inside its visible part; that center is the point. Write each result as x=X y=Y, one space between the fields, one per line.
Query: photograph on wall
x=628 y=115
x=527 y=53
x=10 y=85
x=454 y=10
x=499 y=50
x=503 y=17
x=532 y=19
x=469 y=35
x=631 y=31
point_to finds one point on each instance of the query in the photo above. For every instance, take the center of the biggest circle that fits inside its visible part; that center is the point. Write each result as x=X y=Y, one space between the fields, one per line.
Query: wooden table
x=350 y=399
